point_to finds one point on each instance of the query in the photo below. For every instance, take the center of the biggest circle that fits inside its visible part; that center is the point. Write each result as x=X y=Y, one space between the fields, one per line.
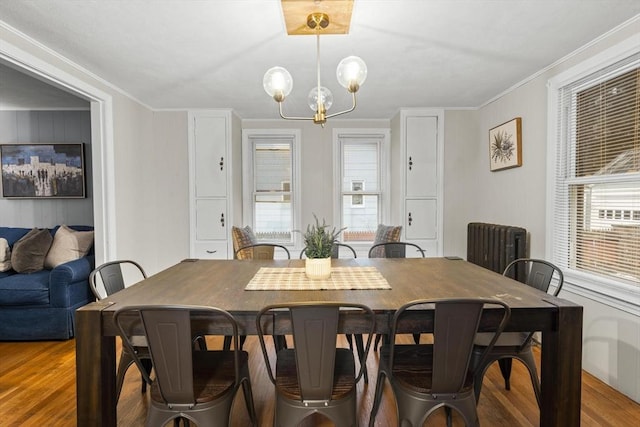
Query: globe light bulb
x=351 y=73
x=326 y=98
x=277 y=82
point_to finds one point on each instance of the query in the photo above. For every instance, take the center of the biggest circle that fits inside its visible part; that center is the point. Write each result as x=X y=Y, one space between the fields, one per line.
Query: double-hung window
x=596 y=211
x=270 y=193
x=362 y=201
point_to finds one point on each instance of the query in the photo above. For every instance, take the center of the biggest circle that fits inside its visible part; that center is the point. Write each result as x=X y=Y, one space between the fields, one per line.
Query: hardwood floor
x=37 y=388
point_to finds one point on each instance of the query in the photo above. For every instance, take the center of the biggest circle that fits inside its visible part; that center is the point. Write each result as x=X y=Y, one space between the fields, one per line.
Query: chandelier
x=351 y=73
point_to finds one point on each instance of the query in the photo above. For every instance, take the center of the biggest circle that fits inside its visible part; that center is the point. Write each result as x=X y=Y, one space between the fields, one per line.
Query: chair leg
x=349 y=338
x=377 y=342
x=148 y=366
x=226 y=345
x=360 y=348
x=505 y=368
x=125 y=361
x=279 y=342
x=377 y=398
x=530 y=363
x=248 y=398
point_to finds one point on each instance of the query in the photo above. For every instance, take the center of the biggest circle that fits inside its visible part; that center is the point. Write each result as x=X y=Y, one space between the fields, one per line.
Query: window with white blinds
x=597 y=175
x=271 y=201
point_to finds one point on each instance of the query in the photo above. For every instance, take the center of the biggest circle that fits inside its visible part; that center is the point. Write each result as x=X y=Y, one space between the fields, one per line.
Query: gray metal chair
x=315 y=376
x=394 y=249
x=190 y=384
x=336 y=250
x=425 y=377
x=106 y=280
x=538 y=274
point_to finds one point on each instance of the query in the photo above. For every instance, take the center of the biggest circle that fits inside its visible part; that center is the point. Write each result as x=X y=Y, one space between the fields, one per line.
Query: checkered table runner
x=294 y=279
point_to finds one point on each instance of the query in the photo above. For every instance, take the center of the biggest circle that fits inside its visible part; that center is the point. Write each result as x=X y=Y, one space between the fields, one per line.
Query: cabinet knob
x=221 y=163
x=410 y=219
x=211 y=252
x=222 y=220
x=410 y=162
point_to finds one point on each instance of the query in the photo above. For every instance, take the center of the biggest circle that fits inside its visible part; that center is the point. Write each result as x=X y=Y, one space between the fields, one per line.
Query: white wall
x=517 y=197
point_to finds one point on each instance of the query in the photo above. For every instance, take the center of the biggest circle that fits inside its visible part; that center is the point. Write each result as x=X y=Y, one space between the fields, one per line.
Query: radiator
x=494 y=246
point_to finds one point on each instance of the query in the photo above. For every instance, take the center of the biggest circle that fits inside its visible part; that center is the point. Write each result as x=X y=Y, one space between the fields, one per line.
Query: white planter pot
x=318 y=268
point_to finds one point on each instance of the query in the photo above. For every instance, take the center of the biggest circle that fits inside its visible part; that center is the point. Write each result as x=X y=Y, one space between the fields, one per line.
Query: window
x=361 y=184
x=597 y=174
x=357 y=200
x=270 y=202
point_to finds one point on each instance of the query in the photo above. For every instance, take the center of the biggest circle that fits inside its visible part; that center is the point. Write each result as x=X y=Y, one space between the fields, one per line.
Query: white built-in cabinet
x=214 y=178
x=417 y=159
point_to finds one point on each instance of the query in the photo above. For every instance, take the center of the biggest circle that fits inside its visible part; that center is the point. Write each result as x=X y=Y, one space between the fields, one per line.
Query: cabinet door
x=210 y=156
x=211 y=219
x=421 y=156
x=421 y=219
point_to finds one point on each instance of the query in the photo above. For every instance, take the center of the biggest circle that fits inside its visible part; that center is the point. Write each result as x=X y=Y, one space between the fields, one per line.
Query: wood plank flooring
x=37 y=388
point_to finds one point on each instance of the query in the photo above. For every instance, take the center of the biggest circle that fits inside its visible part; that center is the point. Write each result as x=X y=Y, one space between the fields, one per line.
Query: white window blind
x=360 y=203
x=597 y=203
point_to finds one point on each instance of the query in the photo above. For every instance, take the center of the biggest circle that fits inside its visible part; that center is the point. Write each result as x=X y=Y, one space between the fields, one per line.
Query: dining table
x=243 y=287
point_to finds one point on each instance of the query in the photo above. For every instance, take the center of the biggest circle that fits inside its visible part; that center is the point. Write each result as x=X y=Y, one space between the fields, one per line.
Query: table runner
x=295 y=279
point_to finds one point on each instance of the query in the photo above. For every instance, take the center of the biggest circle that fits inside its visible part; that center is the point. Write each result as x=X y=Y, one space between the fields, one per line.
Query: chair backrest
x=454 y=327
x=315 y=329
x=394 y=249
x=108 y=278
x=168 y=330
x=264 y=251
x=335 y=252
x=538 y=273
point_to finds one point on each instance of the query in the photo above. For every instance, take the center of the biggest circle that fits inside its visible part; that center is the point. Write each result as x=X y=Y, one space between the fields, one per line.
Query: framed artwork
x=505 y=145
x=42 y=171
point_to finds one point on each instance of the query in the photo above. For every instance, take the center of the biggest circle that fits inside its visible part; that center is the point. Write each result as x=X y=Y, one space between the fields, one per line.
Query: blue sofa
x=42 y=305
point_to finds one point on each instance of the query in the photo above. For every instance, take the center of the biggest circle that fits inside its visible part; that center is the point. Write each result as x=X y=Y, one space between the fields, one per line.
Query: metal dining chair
x=336 y=250
x=315 y=376
x=394 y=249
x=189 y=384
x=538 y=274
x=105 y=280
x=425 y=377
x=262 y=250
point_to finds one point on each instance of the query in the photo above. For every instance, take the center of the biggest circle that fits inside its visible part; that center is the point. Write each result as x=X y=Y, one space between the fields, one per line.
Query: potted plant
x=319 y=240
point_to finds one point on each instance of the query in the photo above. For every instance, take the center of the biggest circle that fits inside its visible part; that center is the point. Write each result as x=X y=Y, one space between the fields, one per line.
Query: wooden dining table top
x=221 y=283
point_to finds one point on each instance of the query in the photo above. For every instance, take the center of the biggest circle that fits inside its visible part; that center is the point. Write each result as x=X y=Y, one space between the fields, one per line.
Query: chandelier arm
x=353 y=95
x=291 y=117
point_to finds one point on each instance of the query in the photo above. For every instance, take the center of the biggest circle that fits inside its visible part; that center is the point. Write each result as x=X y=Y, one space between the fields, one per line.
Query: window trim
x=248 y=136
x=620 y=295
x=385 y=172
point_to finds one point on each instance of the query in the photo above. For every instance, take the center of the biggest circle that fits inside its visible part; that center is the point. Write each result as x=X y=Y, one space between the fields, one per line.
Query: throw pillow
x=384 y=234
x=29 y=252
x=5 y=255
x=243 y=237
x=68 y=245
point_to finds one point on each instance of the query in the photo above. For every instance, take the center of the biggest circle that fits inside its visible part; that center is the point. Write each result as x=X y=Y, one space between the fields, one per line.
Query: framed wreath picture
x=505 y=145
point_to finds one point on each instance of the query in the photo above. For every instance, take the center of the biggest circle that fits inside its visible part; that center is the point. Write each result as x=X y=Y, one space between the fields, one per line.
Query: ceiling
x=179 y=54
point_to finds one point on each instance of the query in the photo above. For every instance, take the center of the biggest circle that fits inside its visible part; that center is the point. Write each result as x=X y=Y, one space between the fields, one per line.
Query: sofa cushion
x=28 y=253
x=13 y=234
x=243 y=237
x=68 y=245
x=25 y=289
x=385 y=234
x=5 y=255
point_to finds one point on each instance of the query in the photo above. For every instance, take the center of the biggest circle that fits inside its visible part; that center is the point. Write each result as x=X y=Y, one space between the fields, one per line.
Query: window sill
x=622 y=296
